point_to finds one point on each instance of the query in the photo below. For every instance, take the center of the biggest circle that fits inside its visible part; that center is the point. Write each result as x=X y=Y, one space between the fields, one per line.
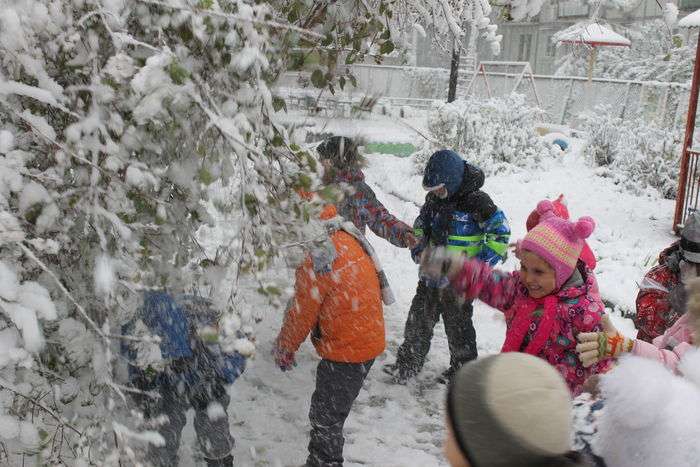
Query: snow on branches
x=496 y=134
x=119 y=119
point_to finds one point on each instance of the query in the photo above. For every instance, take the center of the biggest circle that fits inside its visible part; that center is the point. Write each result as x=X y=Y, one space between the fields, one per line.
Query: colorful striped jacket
x=478 y=233
x=361 y=207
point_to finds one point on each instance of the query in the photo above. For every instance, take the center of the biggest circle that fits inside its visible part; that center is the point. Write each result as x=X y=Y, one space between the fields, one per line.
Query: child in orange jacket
x=340 y=305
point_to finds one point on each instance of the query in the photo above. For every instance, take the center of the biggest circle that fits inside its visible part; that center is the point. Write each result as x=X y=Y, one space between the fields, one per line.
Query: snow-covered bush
x=495 y=134
x=633 y=152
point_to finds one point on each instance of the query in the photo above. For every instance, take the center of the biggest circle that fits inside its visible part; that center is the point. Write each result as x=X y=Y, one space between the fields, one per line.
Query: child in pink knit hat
x=547 y=302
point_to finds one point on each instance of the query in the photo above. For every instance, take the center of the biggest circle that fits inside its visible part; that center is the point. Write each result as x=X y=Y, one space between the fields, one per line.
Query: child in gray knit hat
x=509 y=410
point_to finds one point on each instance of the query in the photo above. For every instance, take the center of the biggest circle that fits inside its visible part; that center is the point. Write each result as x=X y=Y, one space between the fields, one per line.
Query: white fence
x=563 y=98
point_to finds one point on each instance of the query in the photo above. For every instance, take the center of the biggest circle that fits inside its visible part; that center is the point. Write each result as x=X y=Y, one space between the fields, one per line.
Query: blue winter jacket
x=471 y=224
x=191 y=360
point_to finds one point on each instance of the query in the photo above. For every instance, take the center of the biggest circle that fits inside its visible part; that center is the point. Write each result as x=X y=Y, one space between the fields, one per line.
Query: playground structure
x=525 y=73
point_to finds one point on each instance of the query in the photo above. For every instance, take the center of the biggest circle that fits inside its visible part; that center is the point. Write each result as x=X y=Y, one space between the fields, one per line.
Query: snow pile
x=651 y=416
x=496 y=134
x=634 y=153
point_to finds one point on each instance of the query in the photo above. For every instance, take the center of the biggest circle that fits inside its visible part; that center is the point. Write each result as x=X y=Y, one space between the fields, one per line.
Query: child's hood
x=474 y=178
x=580 y=283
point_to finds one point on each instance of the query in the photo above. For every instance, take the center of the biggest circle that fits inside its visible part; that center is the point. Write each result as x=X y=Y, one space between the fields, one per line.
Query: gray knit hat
x=510 y=410
x=690 y=238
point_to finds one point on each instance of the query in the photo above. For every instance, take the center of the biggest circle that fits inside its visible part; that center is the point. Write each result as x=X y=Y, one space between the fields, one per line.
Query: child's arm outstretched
x=421 y=230
x=595 y=346
x=383 y=223
x=301 y=316
x=472 y=278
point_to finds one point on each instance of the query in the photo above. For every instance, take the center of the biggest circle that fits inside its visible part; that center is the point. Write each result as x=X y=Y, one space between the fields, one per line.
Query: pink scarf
x=522 y=320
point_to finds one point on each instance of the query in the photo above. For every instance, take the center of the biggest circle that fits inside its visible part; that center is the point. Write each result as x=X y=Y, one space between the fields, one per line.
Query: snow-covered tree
x=519 y=10
x=117 y=119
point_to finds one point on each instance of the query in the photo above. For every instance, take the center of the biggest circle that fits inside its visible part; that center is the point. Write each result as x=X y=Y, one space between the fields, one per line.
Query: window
x=569 y=8
x=524 y=48
x=551 y=49
x=689 y=4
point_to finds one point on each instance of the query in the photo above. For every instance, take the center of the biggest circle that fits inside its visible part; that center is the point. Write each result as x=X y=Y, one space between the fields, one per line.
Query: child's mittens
x=596 y=346
x=411 y=240
x=440 y=262
x=283 y=359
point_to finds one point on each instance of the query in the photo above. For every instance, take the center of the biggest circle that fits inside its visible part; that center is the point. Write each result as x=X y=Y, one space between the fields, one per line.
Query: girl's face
x=451 y=449
x=537 y=275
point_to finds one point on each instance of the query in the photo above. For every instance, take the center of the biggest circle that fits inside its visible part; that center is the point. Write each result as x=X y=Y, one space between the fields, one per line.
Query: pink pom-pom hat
x=558 y=241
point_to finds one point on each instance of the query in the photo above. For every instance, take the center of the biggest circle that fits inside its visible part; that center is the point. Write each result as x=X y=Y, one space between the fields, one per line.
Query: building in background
x=531 y=40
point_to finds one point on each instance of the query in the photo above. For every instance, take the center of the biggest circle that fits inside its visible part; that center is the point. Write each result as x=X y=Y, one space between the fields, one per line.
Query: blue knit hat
x=444 y=167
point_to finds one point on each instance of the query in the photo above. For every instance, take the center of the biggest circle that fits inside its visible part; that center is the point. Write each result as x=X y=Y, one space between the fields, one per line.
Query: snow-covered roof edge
x=690 y=21
x=593 y=34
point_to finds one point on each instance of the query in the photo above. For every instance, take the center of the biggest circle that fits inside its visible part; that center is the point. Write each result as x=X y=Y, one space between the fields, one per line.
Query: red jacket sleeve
x=652 y=304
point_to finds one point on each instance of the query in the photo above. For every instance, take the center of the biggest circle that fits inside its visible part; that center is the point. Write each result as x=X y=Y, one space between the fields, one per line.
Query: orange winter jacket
x=342 y=309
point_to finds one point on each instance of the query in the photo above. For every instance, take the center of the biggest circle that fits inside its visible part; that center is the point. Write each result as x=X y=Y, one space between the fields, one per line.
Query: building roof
x=690 y=21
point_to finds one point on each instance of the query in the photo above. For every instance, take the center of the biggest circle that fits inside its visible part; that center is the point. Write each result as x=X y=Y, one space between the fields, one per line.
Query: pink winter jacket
x=670 y=347
x=578 y=310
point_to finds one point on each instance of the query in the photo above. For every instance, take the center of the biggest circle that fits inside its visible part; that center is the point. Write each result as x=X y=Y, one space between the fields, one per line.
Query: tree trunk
x=454 y=73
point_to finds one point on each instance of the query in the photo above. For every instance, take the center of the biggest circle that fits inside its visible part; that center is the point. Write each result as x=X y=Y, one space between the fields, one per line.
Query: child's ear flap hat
x=558 y=241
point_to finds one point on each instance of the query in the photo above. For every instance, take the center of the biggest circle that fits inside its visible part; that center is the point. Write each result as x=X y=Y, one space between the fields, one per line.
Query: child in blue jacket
x=456 y=214
x=194 y=372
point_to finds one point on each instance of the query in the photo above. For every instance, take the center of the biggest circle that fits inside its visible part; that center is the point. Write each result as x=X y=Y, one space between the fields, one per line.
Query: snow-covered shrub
x=635 y=153
x=495 y=134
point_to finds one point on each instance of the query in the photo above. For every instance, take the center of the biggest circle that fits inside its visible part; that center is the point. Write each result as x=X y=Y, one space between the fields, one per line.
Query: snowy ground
x=403 y=425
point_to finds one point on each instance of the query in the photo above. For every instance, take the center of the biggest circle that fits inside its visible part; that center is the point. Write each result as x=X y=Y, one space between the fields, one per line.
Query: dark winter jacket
x=468 y=221
x=362 y=208
x=191 y=360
